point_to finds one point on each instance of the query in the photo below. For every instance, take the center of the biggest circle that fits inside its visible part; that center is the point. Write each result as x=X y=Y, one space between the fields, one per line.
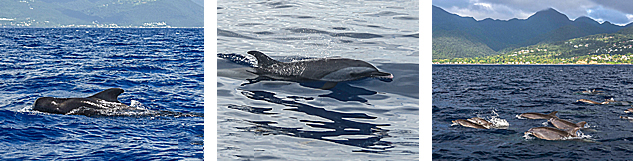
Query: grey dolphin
x=591 y=102
x=326 y=69
x=626 y=117
x=539 y=115
x=590 y=92
x=611 y=101
x=481 y=122
x=564 y=124
x=467 y=123
x=102 y=100
x=550 y=133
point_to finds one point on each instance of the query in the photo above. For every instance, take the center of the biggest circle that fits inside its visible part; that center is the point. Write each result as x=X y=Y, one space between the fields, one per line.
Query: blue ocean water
x=505 y=91
x=159 y=69
x=366 y=119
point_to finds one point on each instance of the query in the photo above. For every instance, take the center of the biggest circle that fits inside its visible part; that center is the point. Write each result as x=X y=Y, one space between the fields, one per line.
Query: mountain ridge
x=544 y=26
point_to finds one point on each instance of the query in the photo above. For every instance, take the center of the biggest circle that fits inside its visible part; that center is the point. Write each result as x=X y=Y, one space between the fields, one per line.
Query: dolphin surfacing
x=467 y=123
x=539 y=115
x=564 y=124
x=550 y=133
x=102 y=100
x=326 y=69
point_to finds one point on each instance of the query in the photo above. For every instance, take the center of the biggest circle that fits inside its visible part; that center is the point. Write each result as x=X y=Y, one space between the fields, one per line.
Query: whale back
x=109 y=95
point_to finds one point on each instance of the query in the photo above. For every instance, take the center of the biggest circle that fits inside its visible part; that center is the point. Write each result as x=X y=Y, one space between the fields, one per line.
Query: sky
x=619 y=12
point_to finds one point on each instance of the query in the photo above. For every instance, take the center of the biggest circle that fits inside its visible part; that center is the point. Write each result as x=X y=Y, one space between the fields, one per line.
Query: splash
x=496 y=121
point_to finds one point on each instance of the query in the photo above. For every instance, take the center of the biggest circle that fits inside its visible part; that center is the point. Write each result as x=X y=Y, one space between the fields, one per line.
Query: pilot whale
x=330 y=70
x=106 y=99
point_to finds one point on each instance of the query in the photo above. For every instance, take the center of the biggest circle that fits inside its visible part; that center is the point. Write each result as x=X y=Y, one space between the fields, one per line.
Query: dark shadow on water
x=339 y=126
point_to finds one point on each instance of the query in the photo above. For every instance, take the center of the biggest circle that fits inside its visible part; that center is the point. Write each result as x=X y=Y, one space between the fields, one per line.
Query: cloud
x=619 y=5
x=614 y=11
x=601 y=14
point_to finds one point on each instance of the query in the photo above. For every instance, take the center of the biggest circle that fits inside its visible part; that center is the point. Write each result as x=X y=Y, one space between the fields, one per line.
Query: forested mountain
x=101 y=13
x=605 y=48
x=456 y=37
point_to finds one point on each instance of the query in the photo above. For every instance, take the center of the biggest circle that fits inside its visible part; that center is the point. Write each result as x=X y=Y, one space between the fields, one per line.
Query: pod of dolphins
x=564 y=128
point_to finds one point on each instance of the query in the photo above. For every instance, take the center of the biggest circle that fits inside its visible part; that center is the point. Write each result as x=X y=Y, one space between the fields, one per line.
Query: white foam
x=496 y=121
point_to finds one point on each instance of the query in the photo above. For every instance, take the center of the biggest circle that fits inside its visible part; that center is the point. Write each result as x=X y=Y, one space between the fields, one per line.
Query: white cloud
x=615 y=11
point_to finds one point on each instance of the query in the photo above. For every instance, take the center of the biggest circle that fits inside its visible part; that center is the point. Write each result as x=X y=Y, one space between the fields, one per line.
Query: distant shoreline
x=527 y=64
x=140 y=27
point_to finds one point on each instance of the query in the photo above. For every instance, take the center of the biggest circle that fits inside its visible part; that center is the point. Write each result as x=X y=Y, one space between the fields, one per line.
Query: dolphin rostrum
x=539 y=115
x=330 y=70
x=550 y=133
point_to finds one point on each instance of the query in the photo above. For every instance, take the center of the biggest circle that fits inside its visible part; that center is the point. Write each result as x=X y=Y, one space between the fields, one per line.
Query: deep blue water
x=365 y=119
x=159 y=69
x=465 y=91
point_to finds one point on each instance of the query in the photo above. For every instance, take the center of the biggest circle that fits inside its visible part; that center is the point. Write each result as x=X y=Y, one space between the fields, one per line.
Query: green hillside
x=455 y=44
x=614 y=48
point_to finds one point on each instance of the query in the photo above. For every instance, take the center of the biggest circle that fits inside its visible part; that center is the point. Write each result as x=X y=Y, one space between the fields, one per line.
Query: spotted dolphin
x=467 y=123
x=539 y=115
x=102 y=100
x=481 y=122
x=591 y=102
x=564 y=124
x=331 y=70
x=550 y=133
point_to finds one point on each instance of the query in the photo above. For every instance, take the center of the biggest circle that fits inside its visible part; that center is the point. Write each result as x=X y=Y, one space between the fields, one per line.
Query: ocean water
x=505 y=91
x=366 y=119
x=161 y=71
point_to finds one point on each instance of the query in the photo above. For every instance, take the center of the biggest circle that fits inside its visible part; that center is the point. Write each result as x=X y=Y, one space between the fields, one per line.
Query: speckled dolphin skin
x=325 y=69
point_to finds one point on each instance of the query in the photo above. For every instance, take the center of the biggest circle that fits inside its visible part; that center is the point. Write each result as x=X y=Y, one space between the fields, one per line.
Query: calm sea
x=366 y=119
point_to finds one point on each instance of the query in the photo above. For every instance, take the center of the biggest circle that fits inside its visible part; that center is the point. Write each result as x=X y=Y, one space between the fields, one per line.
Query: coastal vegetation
x=614 y=48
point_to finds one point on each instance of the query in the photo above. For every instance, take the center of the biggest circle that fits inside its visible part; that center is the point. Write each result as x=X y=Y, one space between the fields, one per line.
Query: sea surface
x=505 y=91
x=366 y=119
x=161 y=71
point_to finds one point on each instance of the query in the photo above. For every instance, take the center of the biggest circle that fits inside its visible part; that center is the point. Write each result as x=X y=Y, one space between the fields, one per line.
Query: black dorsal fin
x=262 y=59
x=109 y=95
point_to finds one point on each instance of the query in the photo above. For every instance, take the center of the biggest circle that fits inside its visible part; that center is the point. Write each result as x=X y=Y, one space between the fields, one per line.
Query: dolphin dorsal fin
x=109 y=95
x=262 y=59
x=581 y=124
x=553 y=114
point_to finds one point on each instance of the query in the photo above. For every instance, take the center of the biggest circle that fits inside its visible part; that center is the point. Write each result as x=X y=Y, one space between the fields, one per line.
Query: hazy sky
x=618 y=12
